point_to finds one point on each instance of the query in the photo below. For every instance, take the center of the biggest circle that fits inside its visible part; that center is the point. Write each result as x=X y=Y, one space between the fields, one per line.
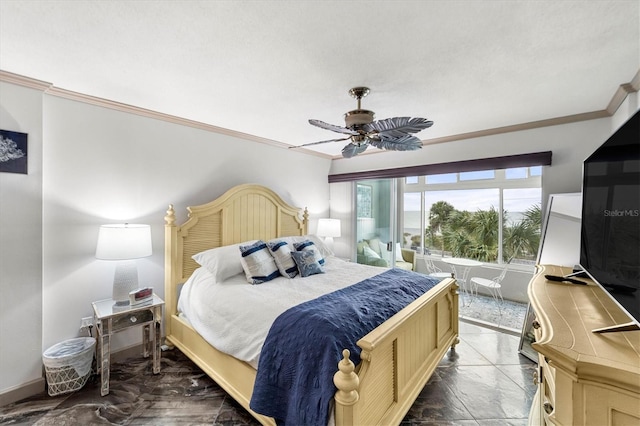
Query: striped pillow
x=258 y=264
x=282 y=255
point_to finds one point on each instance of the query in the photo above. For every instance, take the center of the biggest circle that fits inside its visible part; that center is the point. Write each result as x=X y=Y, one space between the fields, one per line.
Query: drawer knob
x=548 y=408
x=535 y=324
x=133 y=319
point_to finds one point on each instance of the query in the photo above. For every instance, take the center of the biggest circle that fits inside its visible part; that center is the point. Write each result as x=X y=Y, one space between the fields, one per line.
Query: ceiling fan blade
x=354 y=149
x=318 y=143
x=398 y=126
x=404 y=143
x=332 y=127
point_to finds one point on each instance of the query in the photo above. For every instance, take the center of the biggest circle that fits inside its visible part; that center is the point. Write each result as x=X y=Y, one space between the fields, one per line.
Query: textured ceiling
x=265 y=67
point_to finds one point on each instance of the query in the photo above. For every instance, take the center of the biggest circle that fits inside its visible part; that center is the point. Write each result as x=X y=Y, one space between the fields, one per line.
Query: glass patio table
x=463 y=265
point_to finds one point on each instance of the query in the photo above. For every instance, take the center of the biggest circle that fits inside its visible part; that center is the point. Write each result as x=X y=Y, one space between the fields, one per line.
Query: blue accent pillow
x=281 y=253
x=257 y=262
x=307 y=263
x=310 y=246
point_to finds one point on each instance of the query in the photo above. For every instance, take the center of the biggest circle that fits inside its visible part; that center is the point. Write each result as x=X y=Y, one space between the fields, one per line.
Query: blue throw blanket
x=294 y=383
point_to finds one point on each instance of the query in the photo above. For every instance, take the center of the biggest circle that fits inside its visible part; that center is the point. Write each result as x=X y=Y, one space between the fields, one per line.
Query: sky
x=515 y=200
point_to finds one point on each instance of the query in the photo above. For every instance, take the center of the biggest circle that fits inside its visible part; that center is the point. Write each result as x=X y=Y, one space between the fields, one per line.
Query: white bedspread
x=235 y=316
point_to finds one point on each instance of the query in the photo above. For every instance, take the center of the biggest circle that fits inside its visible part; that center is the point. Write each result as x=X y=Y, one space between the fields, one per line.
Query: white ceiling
x=265 y=67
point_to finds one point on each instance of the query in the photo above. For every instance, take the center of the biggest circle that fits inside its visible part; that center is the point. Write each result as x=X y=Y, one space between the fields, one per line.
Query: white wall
x=106 y=166
x=21 y=244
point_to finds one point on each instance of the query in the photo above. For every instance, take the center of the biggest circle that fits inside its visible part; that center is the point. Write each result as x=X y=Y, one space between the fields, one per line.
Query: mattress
x=235 y=316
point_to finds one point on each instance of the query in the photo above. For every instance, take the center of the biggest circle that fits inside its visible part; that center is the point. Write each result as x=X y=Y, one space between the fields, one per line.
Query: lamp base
x=124 y=281
x=329 y=242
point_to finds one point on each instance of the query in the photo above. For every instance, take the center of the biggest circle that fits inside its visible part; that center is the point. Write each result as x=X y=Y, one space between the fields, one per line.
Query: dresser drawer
x=134 y=318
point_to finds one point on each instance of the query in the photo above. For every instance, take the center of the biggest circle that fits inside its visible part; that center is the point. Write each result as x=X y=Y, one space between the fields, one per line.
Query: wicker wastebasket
x=68 y=364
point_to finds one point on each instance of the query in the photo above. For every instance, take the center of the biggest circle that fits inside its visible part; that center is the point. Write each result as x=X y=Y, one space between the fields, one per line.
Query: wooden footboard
x=397 y=360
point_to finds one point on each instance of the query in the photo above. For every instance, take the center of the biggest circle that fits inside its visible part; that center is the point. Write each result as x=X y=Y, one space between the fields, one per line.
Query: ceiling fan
x=393 y=134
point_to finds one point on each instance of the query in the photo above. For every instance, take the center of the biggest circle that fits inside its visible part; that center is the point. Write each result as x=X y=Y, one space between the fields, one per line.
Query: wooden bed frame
x=398 y=357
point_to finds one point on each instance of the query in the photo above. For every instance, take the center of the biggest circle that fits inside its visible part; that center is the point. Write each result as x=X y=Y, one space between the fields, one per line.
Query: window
x=489 y=215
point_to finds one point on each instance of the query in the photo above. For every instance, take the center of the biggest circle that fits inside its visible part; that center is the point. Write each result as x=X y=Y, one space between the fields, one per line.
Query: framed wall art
x=364 y=200
x=13 y=152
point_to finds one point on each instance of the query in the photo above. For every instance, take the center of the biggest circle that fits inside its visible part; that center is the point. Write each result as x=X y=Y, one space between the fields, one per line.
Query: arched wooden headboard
x=243 y=213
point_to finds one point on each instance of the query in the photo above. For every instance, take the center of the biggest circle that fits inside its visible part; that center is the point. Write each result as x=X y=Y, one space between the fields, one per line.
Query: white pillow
x=258 y=264
x=320 y=245
x=399 y=257
x=281 y=253
x=386 y=255
x=223 y=262
x=370 y=253
x=377 y=246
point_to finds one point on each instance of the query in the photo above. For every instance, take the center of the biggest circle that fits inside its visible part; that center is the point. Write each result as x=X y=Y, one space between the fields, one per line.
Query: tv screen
x=610 y=230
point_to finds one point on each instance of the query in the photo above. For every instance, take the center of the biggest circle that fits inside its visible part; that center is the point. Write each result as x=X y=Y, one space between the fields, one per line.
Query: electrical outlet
x=86 y=322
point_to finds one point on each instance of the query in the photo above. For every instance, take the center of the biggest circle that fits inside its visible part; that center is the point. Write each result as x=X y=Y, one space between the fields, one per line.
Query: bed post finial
x=346 y=380
x=170 y=217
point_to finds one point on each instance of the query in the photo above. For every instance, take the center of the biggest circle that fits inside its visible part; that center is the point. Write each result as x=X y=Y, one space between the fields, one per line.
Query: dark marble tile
x=487 y=392
x=443 y=423
x=504 y=422
x=27 y=411
x=232 y=414
x=466 y=389
x=498 y=348
x=463 y=354
x=522 y=375
x=436 y=403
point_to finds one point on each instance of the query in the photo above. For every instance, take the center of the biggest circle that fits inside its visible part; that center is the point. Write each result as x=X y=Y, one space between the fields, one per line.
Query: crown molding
x=618 y=98
x=50 y=89
x=622 y=92
x=20 y=80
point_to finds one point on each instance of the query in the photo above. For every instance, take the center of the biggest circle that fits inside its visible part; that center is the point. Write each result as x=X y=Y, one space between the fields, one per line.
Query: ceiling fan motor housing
x=357 y=118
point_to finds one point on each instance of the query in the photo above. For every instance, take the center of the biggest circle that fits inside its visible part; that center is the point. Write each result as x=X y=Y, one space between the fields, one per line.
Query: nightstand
x=110 y=318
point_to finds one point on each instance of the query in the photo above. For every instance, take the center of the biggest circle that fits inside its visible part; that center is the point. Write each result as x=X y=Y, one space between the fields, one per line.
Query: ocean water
x=412 y=220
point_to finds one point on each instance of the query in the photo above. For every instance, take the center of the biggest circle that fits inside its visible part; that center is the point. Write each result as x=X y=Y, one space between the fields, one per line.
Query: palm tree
x=475 y=235
x=523 y=238
x=438 y=218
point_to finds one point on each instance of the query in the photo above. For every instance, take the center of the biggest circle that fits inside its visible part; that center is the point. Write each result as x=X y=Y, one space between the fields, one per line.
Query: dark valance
x=493 y=163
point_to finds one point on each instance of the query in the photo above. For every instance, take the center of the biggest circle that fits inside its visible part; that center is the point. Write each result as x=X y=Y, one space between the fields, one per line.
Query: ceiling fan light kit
x=393 y=134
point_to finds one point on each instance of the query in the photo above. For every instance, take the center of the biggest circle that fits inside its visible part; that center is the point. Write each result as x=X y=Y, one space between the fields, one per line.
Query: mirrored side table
x=110 y=318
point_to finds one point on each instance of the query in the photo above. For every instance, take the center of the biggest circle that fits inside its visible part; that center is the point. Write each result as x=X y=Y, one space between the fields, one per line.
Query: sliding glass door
x=376 y=215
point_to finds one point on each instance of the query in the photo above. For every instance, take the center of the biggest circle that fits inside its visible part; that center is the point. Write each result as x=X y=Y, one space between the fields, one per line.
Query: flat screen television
x=610 y=229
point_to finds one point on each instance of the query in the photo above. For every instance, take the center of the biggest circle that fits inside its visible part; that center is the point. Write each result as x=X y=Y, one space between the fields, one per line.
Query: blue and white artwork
x=13 y=152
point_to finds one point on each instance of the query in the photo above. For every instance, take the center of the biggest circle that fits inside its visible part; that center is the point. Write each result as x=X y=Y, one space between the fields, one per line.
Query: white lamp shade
x=123 y=241
x=328 y=228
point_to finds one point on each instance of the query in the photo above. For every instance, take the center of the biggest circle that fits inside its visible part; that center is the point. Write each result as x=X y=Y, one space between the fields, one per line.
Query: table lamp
x=124 y=243
x=328 y=228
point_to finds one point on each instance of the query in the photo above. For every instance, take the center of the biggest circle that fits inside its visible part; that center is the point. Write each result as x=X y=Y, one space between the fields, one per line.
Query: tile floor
x=485 y=381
